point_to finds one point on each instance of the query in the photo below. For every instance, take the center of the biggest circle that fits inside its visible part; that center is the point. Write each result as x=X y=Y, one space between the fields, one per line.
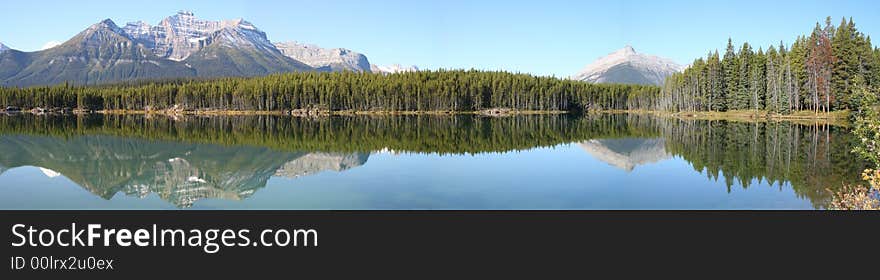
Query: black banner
x=420 y=243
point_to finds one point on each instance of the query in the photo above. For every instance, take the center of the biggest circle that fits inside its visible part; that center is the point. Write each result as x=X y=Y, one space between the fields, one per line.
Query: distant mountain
x=337 y=59
x=627 y=153
x=394 y=68
x=101 y=53
x=179 y=46
x=214 y=48
x=626 y=66
x=3 y=48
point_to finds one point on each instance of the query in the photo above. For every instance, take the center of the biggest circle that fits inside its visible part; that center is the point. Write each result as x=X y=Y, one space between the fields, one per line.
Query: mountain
x=337 y=59
x=178 y=36
x=179 y=46
x=214 y=48
x=626 y=66
x=101 y=53
x=626 y=153
x=3 y=48
x=394 y=68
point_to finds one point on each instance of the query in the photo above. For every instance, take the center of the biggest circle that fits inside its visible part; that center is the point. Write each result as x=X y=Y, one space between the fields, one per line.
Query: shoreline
x=324 y=113
x=837 y=117
x=802 y=117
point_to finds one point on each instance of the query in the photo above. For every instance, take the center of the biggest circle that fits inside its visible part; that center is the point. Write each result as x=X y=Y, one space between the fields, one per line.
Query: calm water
x=424 y=162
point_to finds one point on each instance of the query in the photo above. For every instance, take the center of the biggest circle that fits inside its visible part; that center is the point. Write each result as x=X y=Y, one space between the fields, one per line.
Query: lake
x=610 y=161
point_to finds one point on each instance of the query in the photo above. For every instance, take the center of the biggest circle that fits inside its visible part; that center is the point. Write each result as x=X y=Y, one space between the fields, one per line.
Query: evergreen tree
x=730 y=67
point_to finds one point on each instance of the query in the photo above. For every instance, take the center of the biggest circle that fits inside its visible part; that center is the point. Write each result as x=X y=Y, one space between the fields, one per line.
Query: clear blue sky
x=546 y=37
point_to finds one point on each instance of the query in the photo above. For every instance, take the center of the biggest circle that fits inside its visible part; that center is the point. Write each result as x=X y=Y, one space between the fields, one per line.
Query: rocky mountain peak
x=3 y=48
x=628 y=67
x=179 y=36
x=106 y=24
x=98 y=34
x=336 y=59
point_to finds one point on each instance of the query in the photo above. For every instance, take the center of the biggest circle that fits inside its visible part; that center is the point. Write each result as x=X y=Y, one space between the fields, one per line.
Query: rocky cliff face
x=626 y=66
x=179 y=36
x=336 y=59
x=101 y=53
x=179 y=46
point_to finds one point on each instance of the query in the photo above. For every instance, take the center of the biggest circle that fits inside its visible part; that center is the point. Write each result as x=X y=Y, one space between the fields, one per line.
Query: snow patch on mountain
x=179 y=36
x=49 y=45
x=628 y=66
x=394 y=68
x=337 y=59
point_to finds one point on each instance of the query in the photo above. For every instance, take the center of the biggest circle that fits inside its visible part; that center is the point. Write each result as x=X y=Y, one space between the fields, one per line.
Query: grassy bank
x=801 y=117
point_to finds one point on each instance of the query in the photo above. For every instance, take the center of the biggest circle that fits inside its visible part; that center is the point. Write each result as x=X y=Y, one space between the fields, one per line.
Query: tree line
x=819 y=72
x=443 y=90
x=439 y=134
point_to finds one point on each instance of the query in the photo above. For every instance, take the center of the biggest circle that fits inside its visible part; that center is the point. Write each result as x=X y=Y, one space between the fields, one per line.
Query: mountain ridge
x=626 y=66
x=335 y=59
x=181 y=46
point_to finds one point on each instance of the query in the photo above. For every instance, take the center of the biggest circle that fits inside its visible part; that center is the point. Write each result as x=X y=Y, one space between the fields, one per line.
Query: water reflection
x=179 y=173
x=627 y=153
x=185 y=160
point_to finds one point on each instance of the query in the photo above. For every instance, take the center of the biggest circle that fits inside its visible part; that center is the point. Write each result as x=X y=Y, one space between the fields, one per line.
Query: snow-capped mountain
x=179 y=46
x=394 y=68
x=3 y=48
x=179 y=36
x=101 y=53
x=337 y=59
x=626 y=66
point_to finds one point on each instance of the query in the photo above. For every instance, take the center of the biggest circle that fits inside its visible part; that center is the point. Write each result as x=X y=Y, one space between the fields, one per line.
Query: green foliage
x=442 y=90
x=458 y=134
x=817 y=73
x=867 y=122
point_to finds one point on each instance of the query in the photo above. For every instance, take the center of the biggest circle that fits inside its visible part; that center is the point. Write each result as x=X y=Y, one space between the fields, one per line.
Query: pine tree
x=742 y=95
x=715 y=83
x=773 y=81
x=730 y=68
x=845 y=62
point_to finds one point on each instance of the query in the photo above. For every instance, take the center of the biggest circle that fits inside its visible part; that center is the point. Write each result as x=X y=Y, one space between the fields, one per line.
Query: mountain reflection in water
x=179 y=173
x=185 y=160
x=627 y=153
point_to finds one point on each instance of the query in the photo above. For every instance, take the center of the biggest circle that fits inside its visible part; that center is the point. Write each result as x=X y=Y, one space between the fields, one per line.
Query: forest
x=443 y=90
x=458 y=134
x=833 y=68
